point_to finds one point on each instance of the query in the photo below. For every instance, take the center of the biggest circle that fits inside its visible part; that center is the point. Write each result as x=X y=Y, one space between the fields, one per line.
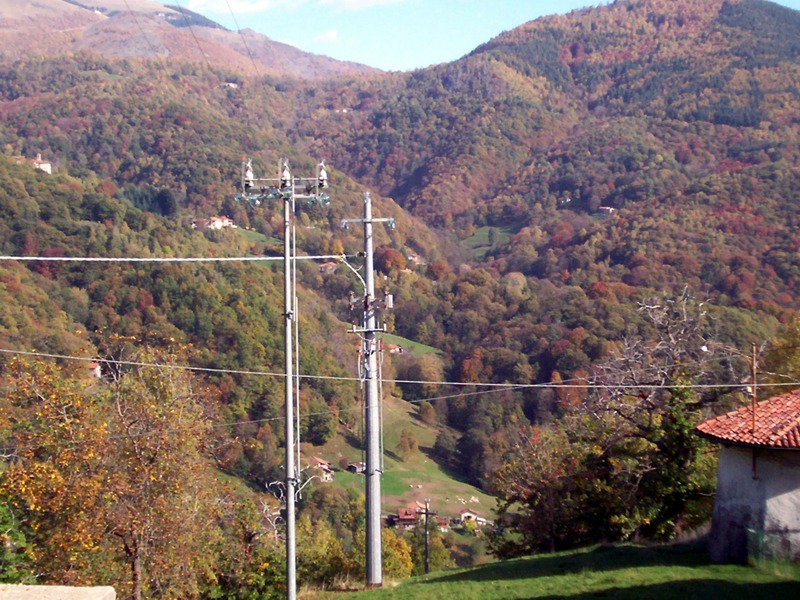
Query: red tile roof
x=406 y=513
x=777 y=424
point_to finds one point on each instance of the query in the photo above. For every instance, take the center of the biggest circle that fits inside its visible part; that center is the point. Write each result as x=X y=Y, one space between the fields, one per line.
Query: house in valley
x=359 y=468
x=42 y=165
x=212 y=223
x=443 y=523
x=327 y=268
x=322 y=469
x=95 y=370
x=406 y=518
x=468 y=515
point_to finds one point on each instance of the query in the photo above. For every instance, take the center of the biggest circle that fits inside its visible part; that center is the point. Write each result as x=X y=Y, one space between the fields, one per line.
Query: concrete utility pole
x=255 y=191
x=289 y=463
x=374 y=569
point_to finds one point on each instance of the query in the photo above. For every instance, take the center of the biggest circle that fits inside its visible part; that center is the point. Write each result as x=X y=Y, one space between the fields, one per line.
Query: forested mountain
x=679 y=116
x=150 y=30
x=547 y=187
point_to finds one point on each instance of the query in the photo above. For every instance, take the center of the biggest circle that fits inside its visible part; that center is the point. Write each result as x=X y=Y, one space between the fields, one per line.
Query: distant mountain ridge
x=150 y=30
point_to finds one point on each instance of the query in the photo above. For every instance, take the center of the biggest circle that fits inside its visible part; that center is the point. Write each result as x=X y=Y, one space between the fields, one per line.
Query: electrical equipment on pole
x=255 y=192
x=369 y=358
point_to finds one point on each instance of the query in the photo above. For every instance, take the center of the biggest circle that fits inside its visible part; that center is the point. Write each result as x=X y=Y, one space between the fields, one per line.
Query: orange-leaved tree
x=111 y=477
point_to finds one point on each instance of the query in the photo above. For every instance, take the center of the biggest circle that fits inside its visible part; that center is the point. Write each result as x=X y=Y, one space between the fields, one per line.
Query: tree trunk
x=136 y=568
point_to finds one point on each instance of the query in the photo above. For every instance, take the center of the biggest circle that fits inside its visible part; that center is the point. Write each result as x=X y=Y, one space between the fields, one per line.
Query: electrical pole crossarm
x=256 y=190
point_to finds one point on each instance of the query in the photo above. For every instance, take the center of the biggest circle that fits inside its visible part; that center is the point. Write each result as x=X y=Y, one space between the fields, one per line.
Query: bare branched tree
x=638 y=381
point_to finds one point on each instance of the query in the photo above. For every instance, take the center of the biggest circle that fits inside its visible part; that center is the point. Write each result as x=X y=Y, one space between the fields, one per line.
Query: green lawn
x=409 y=345
x=416 y=478
x=480 y=243
x=255 y=237
x=626 y=571
x=420 y=477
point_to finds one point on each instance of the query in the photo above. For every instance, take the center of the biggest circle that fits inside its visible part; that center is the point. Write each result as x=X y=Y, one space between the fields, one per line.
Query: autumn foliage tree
x=112 y=479
x=54 y=480
x=388 y=259
x=542 y=495
x=625 y=461
x=15 y=559
x=161 y=490
x=407 y=445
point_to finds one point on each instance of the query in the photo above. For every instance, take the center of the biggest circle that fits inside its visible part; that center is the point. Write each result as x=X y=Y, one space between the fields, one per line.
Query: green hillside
x=620 y=572
x=408 y=479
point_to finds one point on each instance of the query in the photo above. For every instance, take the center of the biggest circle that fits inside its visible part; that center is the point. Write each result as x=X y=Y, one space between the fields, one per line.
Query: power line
x=493 y=387
x=168 y=260
x=65 y=443
x=244 y=41
x=146 y=38
x=8 y=450
x=191 y=30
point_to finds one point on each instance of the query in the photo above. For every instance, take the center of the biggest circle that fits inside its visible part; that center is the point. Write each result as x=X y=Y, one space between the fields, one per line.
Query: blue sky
x=393 y=35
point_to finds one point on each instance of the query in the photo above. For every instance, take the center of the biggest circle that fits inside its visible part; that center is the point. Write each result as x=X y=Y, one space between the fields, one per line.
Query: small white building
x=757 y=505
x=38 y=162
x=468 y=515
x=95 y=370
x=323 y=468
x=219 y=222
x=43 y=165
x=216 y=223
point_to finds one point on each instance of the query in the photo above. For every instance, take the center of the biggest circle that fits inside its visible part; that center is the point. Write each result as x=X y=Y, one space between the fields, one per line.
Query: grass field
x=419 y=477
x=409 y=345
x=255 y=237
x=627 y=572
x=480 y=243
x=416 y=478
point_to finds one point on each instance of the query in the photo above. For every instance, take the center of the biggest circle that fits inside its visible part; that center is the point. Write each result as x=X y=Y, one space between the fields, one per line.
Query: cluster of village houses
x=413 y=513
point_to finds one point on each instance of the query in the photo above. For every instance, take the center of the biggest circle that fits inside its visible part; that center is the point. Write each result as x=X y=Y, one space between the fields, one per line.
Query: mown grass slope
x=404 y=481
x=625 y=571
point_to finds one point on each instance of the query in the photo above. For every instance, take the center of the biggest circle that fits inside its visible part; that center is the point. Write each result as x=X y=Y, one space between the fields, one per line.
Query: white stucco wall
x=53 y=592
x=763 y=495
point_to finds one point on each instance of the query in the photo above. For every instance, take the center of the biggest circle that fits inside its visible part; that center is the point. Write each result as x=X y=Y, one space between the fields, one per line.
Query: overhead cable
x=491 y=386
x=166 y=259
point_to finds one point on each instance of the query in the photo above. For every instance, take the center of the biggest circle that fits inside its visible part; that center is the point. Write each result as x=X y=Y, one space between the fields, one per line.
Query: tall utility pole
x=374 y=570
x=255 y=191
